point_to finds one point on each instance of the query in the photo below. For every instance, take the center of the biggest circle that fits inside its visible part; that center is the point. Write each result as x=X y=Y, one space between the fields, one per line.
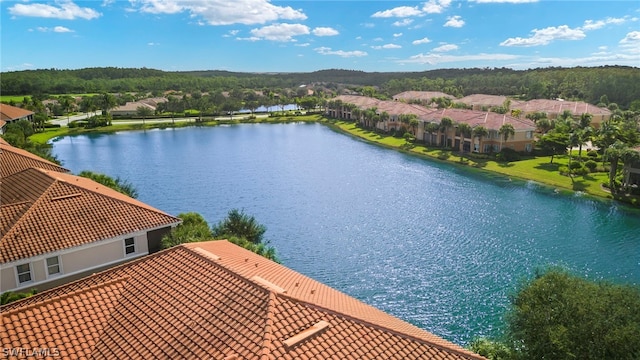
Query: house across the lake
x=10 y=114
x=212 y=300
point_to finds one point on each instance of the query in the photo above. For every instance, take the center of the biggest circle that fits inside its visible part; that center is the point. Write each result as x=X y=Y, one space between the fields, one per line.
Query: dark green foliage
x=591 y=165
x=592 y=154
x=239 y=224
x=116 y=184
x=194 y=228
x=507 y=155
x=575 y=165
x=10 y=296
x=261 y=249
x=560 y=316
x=492 y=350
x=16 y=134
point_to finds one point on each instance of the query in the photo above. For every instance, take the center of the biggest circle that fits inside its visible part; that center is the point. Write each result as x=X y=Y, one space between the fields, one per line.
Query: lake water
x=439 y=246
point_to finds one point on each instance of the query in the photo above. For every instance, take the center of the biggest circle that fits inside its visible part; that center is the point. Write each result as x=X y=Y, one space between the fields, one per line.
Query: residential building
x=554 y=108
x=9 y=113
x=423 y=96
x=485 y=102
x=2 y=125
x=632 y=172
x=211 y=300
x=56 y=227
x=522 y=140
x=131 y=108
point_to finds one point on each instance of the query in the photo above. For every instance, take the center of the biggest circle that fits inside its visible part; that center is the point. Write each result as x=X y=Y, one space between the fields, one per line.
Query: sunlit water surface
x=438 y=246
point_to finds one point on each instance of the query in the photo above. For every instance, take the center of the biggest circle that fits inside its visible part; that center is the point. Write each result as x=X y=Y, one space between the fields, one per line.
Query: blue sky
x=300 y=36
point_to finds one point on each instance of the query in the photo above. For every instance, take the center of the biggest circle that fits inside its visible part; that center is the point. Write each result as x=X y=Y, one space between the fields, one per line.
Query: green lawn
x=537 y=169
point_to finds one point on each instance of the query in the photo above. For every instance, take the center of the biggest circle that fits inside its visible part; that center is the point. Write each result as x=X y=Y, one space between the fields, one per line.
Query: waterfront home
x=56 y=227
x=632 y=172
x=422 y=96
x=554 y=108
x=211 y=300
x=131 y=108
x=522 y=140
x=485 y=102
x=9 y=113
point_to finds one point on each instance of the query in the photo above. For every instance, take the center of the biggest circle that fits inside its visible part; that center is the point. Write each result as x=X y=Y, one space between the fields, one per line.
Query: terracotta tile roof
x=486 y=100
x=490 y=120
x=2 y=124
x=202 y=300
x=13 y=160
x=8 y=112
x=3 y=141
x=391 y=107
x=67 y=211
x=421 y=95
x=558 y=107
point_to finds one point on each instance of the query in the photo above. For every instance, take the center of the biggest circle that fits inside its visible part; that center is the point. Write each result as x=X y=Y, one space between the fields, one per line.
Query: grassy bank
x=51 y=133
x=538 y=169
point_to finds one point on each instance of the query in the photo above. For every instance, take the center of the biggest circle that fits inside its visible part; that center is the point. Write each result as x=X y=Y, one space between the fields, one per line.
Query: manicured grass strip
x=537 y=169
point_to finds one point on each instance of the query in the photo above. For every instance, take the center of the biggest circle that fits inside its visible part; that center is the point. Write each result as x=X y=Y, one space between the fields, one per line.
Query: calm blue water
x=437 y=246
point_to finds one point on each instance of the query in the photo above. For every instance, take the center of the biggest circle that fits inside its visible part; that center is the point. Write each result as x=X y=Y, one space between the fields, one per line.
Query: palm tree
x=384 y=116
x=480 y=132
x=465 y=132
x=431 y=128
x=414 y=123
x=143 y=111
x=614 y=153
x=445 y=124
x=507 y=131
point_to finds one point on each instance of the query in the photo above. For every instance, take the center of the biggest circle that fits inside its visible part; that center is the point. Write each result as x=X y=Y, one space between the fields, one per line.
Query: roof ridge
x=384 y=328
x=67 y=295
x=269 y=337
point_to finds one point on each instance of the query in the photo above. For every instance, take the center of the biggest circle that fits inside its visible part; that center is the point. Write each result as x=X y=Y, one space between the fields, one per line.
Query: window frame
x=57 y=264
x=131 y=246
x=19 y=273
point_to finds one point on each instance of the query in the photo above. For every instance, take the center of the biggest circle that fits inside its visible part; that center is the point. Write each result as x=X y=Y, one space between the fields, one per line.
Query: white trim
x=34 y=284
x=60 y=270
x=87 y=245
x=17 y=275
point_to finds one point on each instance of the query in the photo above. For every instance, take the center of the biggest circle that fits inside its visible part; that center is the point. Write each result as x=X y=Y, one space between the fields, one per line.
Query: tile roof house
x=421 y=95
x=14 y=160
x=211 y=300
x=2 y=125
x=522 y=140
x=480 y=101
x=553 y=108
x=131 y=108
x=10 y=113
x=56 y=227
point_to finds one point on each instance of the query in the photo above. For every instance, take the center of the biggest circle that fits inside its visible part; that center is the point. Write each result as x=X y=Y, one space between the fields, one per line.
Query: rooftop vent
x=63 y=197
x=306 y=334
x=206 y=253
x=269 y=285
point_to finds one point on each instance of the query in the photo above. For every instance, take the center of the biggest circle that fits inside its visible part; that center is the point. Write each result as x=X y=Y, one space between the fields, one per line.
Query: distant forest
x=620 y=84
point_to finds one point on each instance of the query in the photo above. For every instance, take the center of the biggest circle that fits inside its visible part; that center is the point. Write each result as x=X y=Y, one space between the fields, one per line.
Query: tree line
x=621 y=84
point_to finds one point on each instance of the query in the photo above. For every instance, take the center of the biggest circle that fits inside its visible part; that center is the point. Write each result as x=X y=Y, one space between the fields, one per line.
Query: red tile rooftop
x=14 y=160
x=203 y=300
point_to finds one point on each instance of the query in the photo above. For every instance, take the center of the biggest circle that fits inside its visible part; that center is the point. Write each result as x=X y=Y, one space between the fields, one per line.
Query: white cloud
x=403 y=22
x=593 y=60
x=341 y=53
x=325 y=31
x=302 y=45
x=421 y=41
x=153 y=44
x=631 y=42
x=280 y=32
x=63 y=9
x=429 y=7
x=401 y=11
x=504 y=1
x=435 y=6
x=454 y=21
x=397 y=35
x=446 y=47
x=61 y=29
x=231 y=33
x=387 y=46
x=546 y=36
x=222 y=12
x=597 y=24
x=58 y=29
x=433 y=59
x=378 y=39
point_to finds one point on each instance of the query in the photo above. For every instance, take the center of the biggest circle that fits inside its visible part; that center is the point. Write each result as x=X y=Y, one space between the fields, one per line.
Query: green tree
x=557 y=315
x=553 y=143
x=507 y=131
x=144 y=111
x=11 y=296
x=465 y=132
x=479 y=132
x=239 y=224
x=446 y=123
x=117 y=184
x=194 y=228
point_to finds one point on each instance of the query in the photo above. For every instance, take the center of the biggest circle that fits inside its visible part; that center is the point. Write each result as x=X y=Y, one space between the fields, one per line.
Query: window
x=527 y=148
x=529 y=134
x=129 y=246
x=24 y=273
x=53 y=265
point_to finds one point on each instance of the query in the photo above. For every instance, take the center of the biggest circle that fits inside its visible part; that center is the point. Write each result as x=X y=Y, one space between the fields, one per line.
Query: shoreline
x=587 y=185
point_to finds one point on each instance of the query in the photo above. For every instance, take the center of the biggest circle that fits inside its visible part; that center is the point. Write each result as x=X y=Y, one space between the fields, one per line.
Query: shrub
x=575 y=165
x=508 y=154
x=581 y=171
x=591 y=165
x=592 y=154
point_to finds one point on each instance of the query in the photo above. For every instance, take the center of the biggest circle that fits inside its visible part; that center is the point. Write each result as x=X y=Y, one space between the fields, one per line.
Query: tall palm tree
x=480 y=132
x=445 y=124
x=507 y=131
x=431 y=128
x=465 y=132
